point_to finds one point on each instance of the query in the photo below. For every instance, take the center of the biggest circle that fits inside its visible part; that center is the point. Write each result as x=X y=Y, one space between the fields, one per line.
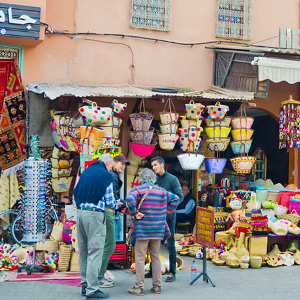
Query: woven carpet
x=67 y=278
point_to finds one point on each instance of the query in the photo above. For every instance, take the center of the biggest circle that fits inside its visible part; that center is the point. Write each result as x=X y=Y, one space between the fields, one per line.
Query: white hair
x=106 y=158
x=147 y=175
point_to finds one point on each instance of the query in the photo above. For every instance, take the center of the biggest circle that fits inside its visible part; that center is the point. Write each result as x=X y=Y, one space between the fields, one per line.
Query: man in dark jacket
x=93 y=193
x=169 y=182
x=186 y=210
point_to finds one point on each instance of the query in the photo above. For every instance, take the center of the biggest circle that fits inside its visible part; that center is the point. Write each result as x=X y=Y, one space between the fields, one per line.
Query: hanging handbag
x=117 y=107
x=95 y=115
x=61 y=172
x=61 y=184
x=59 y=153
x=169 y=116
x=56 y=233
x=193 y=110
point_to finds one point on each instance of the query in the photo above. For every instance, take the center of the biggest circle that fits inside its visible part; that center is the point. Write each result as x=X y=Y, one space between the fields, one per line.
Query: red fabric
x=12 y=120
x=5 y=65
x=284 y=198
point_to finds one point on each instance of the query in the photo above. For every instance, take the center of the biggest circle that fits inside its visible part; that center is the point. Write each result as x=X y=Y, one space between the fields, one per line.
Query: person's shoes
x=105 y=283
x=109 y=275
x=97 y=294
x=136 y=291
x=171 y=277
x=156 y=289
x=83 y=290
x=148 y=275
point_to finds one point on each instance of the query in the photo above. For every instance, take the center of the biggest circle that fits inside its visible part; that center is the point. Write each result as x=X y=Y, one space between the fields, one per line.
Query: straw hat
x=179 y=263
x=297 y=258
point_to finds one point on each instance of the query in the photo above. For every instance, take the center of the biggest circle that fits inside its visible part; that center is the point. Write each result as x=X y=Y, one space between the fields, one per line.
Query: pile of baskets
x=141 y=133
x=190 y=139
x=168 y=136
x=217 y=129
x=241 y=134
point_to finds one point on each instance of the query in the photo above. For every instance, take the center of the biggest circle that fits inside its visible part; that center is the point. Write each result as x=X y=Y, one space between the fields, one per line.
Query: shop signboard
x=19 y=21
x=205 y=227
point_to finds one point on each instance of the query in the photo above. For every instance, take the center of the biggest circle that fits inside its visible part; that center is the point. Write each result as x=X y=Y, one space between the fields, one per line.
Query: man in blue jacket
x=171 y=183
x=93 y=193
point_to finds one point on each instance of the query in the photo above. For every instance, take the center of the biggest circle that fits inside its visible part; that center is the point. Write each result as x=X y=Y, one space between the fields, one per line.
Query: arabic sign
x=205 y=227
x=19 y=21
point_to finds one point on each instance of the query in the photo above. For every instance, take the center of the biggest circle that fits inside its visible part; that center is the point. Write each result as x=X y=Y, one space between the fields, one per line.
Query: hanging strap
x=143 y=198
x=142 y=107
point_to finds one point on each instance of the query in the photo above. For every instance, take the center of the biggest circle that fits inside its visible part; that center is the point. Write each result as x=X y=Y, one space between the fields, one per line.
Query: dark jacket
x=92 y=184
x=170 y=183
x=117 y=185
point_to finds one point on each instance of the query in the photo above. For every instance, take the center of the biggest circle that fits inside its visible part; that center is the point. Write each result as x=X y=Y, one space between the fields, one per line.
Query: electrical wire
x=154 y=39
x=132 y=67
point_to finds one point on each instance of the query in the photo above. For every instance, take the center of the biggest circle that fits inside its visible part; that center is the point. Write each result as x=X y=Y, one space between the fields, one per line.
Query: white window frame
x=151 y=14
x=234 y=19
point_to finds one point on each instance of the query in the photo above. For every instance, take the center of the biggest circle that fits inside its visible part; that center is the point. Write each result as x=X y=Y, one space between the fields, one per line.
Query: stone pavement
x=265 y=283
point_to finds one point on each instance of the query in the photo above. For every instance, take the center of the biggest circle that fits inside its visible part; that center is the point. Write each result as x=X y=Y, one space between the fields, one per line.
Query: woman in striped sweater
x=150 y=226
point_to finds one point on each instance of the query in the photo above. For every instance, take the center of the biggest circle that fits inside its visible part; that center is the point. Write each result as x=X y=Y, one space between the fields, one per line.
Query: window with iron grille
x=234 y=19
x=151 y=14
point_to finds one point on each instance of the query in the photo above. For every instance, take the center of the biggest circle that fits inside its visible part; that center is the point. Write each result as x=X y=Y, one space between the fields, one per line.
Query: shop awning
x=277 y=70
x=53 y=91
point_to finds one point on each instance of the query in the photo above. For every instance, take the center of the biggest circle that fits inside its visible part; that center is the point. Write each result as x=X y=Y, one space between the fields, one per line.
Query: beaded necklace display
x=289 y=124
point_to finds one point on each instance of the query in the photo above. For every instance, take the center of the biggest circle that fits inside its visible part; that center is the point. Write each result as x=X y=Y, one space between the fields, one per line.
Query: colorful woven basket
x=243 y=164
x=242 y=134
x=142 y=150
x=217 y=111
x=242 y=122
x=193 y=110
x=220 y=122
x=215 y=165
x=167 y=141
x=141 y=137
x=239 y=147
x=218 y=144
x=185 y=123
x=217 y=132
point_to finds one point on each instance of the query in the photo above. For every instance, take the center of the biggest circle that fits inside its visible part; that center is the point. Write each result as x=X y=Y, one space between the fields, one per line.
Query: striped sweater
x=156 y=206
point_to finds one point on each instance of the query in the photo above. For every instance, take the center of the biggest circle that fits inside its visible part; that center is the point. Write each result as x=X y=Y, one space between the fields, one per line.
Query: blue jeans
x=171 y=220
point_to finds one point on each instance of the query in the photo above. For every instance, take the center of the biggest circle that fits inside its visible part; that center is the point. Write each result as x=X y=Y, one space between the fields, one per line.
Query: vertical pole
x=204 y=264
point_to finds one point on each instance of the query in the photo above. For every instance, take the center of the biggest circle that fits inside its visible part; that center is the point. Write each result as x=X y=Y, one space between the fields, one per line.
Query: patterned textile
x=12 y=121
x=5 y=65
x=157 y=204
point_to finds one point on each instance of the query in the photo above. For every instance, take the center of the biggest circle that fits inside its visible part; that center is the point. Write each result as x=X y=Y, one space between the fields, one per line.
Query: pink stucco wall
x=107 y=60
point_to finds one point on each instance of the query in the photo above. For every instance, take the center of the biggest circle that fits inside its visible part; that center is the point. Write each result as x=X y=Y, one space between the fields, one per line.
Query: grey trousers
x=91 y=231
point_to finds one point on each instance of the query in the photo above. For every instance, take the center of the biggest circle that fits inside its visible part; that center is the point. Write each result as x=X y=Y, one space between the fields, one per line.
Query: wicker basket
x=64 y=257
x=74 y=264
x=49 y=245
x=293 y=217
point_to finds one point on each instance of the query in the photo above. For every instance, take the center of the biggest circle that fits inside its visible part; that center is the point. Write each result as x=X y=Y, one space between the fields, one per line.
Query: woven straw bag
x=64 y=257
x=293 y=217
x=297 y=258
x=49 y=245
x=56 y=233
x=74 y=264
